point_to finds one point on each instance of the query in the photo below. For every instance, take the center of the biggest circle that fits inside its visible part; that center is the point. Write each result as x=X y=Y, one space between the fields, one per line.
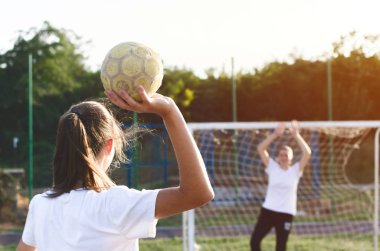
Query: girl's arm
x=306 y=151
x=195 y=188
x=262 y=147
x=24 y=247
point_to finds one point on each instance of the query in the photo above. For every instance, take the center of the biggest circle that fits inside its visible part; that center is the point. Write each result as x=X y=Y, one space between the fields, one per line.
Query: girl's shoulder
x=296 y=164
x=125 y=191
x=40 y=197
x=273 y=162
x=38 y=200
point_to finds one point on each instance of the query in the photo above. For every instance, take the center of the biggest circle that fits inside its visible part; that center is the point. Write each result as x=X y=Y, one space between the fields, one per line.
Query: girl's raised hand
x=294 y=127
x=157 y=103
x=280 y=129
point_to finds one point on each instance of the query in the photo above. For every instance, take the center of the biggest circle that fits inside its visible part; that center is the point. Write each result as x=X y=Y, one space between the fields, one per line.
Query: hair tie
x=76 y=113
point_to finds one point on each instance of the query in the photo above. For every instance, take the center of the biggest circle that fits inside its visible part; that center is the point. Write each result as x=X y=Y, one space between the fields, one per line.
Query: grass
x=8 y=248
x=4 y=228
x=296 y=243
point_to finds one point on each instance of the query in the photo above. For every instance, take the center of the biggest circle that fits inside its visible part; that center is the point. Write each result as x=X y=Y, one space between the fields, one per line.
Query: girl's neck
x=285 y=167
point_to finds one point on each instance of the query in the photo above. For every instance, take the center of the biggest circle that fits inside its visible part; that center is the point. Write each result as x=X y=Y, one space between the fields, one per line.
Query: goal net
x=329 y=206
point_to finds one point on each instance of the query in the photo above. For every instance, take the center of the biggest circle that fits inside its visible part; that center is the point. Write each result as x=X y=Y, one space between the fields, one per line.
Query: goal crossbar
x=261 y=125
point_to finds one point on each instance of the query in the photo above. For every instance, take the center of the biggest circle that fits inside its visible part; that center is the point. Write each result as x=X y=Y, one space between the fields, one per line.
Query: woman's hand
x=280 y=129
x=306 y=151
x=157 y=103
x=294 y=128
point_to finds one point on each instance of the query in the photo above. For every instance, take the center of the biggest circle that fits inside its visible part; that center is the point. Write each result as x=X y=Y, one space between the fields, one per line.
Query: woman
x=85 y=210
x=280 y=203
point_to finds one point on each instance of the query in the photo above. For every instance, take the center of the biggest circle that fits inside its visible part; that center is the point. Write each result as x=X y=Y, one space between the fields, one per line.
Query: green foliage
x=7 y=197
x=59 y=79
x=213 y=100
x=179 y=85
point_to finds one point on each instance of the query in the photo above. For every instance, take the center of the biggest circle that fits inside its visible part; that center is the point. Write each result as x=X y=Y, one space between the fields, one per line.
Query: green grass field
x=295 y=243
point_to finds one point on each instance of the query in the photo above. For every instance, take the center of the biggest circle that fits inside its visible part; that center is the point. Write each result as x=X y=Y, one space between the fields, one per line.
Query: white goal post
x=224 y=145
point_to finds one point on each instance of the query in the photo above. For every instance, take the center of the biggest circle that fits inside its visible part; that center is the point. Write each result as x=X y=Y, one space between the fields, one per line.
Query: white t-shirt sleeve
x=271 y=164
x=28 y=236
x=132 y=211
x=297 y=169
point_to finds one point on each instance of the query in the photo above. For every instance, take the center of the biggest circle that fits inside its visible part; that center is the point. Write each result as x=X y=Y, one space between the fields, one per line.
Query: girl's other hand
x=294 y=128
x=280 y=129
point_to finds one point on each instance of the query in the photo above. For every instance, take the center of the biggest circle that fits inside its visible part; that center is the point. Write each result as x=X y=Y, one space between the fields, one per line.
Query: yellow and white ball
x=130 y=64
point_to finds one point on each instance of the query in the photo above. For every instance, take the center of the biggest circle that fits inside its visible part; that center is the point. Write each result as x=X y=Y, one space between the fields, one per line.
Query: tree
x=355 y=67
x=59 y=76
x=180 y=84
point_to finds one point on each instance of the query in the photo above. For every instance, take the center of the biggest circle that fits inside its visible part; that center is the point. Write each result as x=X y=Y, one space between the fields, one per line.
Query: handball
x=130 y=64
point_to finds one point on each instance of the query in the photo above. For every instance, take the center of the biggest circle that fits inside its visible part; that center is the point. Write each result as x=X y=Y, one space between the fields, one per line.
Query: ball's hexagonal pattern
x=112 y=68
x=130 y=64
x=152 y=67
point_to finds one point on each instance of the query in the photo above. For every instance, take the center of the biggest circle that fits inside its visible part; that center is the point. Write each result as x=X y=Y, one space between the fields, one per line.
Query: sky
x=198 y=34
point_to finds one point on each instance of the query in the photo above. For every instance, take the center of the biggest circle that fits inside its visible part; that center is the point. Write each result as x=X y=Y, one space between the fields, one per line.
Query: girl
x=85 y=210
x=281 y=199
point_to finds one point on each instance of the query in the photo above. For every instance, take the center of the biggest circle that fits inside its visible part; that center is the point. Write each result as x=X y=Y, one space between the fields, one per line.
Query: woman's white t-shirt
x=86 y=220
x=282 y=188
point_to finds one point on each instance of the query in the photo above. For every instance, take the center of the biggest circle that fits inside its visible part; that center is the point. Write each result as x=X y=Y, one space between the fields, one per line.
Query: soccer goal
x=331 y=206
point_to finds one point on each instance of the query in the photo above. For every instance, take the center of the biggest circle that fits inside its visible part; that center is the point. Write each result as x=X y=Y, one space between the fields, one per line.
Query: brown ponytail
x=82 y=132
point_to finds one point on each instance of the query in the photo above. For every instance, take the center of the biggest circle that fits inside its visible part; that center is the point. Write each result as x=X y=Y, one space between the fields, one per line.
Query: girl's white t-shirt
x=86 y=220
x=282 y=188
